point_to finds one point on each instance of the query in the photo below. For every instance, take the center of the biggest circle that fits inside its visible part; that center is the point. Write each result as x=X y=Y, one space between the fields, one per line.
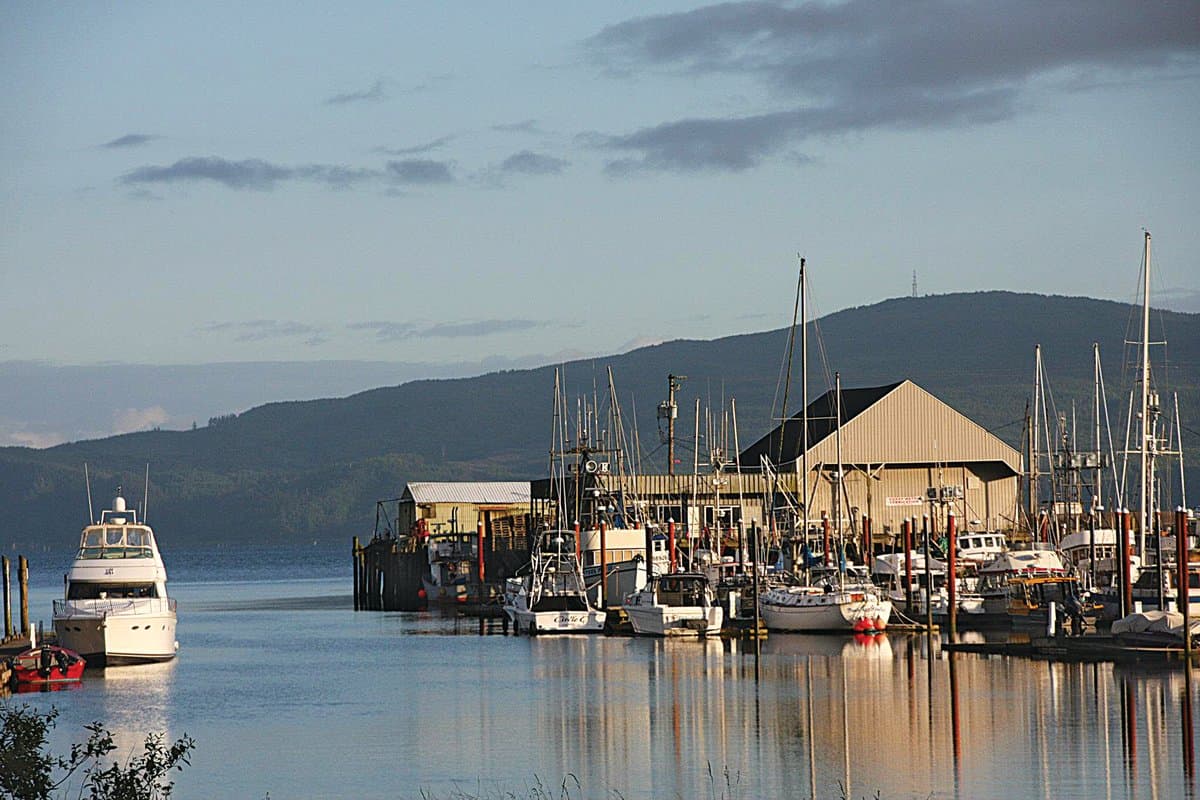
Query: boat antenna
x=88 y=482
x=146 y=495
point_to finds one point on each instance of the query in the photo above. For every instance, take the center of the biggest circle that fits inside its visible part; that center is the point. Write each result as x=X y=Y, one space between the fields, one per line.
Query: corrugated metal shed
x=478 y=492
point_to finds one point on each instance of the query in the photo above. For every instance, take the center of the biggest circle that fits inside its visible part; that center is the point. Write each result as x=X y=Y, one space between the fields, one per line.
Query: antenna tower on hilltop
x=914 y=294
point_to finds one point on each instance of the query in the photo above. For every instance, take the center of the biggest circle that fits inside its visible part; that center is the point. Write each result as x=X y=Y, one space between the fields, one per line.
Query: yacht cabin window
x=82 y=590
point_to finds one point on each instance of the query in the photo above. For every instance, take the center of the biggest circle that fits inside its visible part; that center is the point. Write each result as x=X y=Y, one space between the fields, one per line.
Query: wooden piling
x=23 y=581
x=8 y=626
x=1126 y=588
x=355 y=555
x=671 y=542
x=479 y=551
x=604 y=566
x=825 y=535
x=907 y=527
x=1181 y=578
x=952 y=572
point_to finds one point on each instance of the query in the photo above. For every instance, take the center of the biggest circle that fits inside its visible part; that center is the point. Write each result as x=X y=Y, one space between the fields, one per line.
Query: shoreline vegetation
x=29 y=771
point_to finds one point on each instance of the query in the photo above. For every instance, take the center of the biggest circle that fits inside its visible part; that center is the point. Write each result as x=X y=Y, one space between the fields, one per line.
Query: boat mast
x=804 y=411
x=1147 y=425
x=837 y=501
x=1034 y=520
x=1097 y=489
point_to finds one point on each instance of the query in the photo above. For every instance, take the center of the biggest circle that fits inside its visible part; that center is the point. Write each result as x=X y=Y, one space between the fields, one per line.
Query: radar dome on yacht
x=119 y=504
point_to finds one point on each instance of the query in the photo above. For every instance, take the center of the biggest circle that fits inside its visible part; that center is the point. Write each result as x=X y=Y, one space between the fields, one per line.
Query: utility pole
x=668 y=410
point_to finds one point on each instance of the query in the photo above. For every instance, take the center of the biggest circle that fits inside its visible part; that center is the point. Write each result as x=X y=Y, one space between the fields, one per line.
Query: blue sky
x=452 y=183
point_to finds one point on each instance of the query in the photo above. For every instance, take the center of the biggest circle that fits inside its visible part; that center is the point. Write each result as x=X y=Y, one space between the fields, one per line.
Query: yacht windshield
x=116 y=542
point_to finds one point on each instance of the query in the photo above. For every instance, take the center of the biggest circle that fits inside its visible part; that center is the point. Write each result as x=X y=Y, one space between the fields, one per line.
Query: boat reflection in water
x=651 y=718
x=136 y=702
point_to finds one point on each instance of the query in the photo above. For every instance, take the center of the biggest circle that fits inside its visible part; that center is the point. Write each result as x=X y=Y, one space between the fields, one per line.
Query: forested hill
x=302 y=471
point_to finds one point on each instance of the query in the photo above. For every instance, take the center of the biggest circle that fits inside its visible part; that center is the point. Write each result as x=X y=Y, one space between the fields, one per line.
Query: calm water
x=287 y=690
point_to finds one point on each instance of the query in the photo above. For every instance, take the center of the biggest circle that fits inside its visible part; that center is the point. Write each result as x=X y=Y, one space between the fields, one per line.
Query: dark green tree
x=28 y=771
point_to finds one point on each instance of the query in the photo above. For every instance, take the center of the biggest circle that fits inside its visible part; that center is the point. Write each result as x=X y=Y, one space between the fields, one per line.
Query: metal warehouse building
x=904 y=453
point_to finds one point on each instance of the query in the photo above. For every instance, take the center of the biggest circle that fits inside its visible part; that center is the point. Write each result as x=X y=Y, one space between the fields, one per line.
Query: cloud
x=524 y=126
x=857 y=66
x=420 y=171
x=530 y=163
x=259 y=330
x=130 y=140
x=417 y=149
x=251 y=173
x=403 y=331
x=128 y=420
x=372 y=95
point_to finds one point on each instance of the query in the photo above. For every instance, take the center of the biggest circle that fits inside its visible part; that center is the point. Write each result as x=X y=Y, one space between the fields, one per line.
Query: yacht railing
x=114 y=606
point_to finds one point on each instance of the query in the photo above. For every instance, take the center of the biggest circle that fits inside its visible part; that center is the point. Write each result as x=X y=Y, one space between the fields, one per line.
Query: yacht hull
x=119 y=639
x=657 y=620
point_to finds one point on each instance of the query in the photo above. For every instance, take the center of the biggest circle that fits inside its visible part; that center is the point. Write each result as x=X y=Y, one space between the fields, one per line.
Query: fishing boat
x=994 y=576
x=116 y=609
x=46 y=665
x=678 y=604
x=834 y=600
x=890 y=573
x=1030 y=600
x=552 y=597
x=451 y=557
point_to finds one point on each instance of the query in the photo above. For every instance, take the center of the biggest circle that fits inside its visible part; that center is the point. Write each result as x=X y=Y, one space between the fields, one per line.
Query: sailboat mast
x=1097 y=491
x=837 y=500
x=804 y=411
x=1033 y=444
x=1147 y=425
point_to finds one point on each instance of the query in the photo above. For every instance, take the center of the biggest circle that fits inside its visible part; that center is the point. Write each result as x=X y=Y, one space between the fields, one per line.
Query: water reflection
x=136 y=702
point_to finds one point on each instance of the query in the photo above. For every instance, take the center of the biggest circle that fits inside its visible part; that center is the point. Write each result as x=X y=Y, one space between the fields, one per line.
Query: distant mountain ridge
x=309 y=470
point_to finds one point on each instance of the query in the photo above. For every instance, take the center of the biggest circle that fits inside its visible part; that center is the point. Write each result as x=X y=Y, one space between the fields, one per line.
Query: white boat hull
x=802 y=609
x=656 y=620
x=539 y=622
x=118 y=638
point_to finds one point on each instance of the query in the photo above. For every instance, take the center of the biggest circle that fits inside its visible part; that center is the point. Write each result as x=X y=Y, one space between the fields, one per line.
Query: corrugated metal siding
x=911 y=426
x=476 y=492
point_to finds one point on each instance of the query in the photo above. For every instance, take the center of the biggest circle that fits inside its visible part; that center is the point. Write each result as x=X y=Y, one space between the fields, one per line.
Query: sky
x=487 y=184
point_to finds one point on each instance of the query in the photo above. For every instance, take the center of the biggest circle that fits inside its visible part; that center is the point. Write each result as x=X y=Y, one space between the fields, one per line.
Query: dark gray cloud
x=527 y=162
x=860 y=65
x=419 y=149
x=401 y=331
x=260 y=330
x=372 y=95
x=420 y=171
x=251 y=173
x=130 y=140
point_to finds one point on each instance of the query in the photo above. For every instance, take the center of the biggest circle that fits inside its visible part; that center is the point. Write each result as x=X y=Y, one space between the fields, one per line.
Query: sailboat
x=840 y=599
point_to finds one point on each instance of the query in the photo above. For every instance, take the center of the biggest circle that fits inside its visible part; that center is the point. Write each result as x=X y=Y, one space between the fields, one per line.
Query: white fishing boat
x=116 y=609
x=678 y=604
x=833 y=600
x=552 y=597
x=890 y=573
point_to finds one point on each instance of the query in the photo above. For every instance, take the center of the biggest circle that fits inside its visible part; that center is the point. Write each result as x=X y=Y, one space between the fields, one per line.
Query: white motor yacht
x=116 y=609
x=677 y=604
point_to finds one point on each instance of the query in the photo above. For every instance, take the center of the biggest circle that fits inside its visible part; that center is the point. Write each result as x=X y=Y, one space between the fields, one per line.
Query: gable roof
x=900 y=423
x=485 y=493
x=822 y=423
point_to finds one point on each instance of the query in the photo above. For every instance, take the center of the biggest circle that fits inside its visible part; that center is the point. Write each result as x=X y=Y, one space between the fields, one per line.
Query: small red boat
x=46 y=665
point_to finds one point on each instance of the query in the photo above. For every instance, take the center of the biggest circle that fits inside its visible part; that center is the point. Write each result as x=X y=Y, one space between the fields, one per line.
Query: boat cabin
x=682 y=589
